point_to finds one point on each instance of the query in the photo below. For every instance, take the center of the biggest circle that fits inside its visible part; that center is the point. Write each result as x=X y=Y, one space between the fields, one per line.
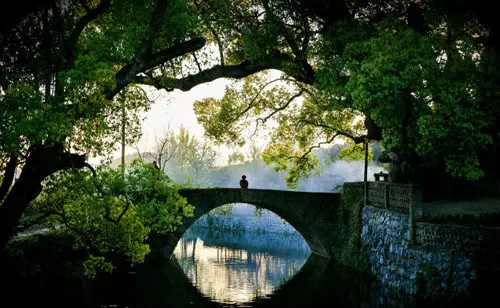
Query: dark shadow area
x=48 y=274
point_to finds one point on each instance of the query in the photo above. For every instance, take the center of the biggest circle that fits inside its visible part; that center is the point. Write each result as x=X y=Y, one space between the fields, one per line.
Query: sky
x=171 y=110
x=175 y=109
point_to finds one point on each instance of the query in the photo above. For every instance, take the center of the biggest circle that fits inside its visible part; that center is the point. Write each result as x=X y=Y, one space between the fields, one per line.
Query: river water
x=210 y=267
x=260 y=261
x=246 y=259
x=239 y=268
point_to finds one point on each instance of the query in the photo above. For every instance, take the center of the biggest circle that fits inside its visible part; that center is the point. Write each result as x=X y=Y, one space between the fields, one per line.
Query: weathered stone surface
x=435 y=266
x=422 y=271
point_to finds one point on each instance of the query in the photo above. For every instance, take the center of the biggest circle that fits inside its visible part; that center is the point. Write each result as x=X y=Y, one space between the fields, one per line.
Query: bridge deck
x=260 y=190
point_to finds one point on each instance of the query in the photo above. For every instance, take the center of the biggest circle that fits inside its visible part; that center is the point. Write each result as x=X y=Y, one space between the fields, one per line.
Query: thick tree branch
x=128 y=73
x=278 y=61
x=41 y=162
x=187 y=83
x=168 y=54
x=80 y=26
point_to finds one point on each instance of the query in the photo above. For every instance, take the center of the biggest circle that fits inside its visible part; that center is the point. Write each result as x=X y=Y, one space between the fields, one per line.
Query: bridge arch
x=308 y=212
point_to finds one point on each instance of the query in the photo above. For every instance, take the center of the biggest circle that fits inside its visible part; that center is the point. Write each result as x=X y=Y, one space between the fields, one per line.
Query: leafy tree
x=110 y=214
x=64 y=64
x=255 y=153
x=421 y=89
x=304 y=118
x=422 y=75
x=164 y=149
x=194 y=157
x=419 y=76
x=235 y=157
x=61 y=71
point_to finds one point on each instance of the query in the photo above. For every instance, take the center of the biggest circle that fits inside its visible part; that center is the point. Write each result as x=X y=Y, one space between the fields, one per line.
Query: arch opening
x=309 y=213
x=235 y=254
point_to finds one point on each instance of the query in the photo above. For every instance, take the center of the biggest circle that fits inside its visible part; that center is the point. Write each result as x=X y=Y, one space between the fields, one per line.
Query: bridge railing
x=391 y=196
x=405 y=199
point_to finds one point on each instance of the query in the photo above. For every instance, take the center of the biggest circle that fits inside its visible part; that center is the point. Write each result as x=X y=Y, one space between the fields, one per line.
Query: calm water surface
x=238 y=268
x=209 y=268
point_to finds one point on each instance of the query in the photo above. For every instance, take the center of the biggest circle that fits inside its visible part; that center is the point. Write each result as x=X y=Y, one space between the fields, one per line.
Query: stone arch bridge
x=310 y=213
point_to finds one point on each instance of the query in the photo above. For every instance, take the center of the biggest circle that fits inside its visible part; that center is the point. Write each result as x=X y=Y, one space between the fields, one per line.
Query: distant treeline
x=332 y=172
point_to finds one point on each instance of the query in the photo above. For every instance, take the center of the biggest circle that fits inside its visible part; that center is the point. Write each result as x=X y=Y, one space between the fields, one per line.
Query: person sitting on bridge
x=155 y=164
x=243 y=182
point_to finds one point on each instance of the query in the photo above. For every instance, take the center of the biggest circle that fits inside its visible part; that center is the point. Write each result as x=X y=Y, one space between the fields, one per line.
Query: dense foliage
x=419 y=76
x=426 y=91
x=111 y=214
x=68 y=89
x=425 y=81
x=182 y=156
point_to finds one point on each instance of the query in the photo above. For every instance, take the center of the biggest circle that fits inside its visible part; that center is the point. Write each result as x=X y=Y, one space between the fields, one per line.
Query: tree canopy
x=425 y=82
x=110 y=214
x=422 y=77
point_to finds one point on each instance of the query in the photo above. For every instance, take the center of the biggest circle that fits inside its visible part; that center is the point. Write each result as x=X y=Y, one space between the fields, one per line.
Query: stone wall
x=416 y=270
x=470 y=239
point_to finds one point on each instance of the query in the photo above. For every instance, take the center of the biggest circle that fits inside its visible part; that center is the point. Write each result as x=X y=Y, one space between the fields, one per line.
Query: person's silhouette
x=155 y=164
x=243 y=182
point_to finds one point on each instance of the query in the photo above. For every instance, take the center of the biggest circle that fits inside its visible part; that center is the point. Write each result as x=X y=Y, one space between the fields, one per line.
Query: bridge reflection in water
x=239 y=268
x=163 y=283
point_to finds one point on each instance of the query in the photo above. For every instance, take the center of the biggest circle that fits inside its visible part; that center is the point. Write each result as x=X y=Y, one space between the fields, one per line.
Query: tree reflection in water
x=239 y=268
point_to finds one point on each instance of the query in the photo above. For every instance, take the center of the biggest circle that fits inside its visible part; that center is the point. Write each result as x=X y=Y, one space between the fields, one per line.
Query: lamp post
x=366 y=170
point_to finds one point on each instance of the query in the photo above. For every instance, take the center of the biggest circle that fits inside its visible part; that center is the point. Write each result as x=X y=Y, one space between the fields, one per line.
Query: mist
x=261 y=176
x=329 y=176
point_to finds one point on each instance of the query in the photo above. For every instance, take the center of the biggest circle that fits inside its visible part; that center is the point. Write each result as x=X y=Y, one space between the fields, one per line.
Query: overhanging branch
x=80 y=25
x=356 y=139
x=241 y=70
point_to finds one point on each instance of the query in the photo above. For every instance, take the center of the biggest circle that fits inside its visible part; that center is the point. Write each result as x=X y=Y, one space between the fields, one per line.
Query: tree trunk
x=10 y=170
x=124 y=123
x=42 y=162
